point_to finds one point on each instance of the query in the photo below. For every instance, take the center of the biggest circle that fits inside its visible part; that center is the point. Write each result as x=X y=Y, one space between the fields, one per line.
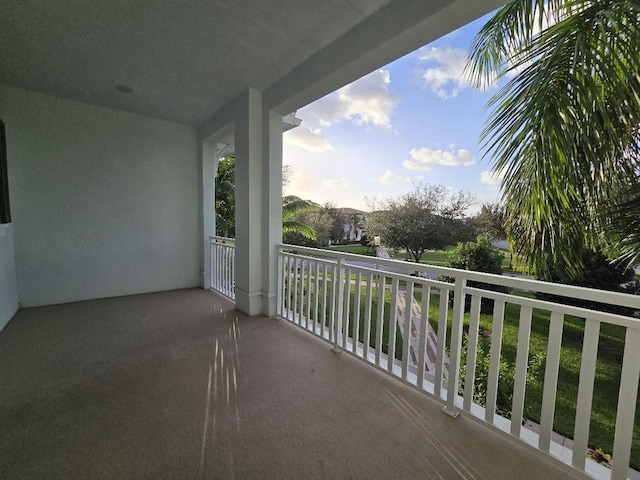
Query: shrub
x=507 y=371
x=596 y=272
x=479 y=256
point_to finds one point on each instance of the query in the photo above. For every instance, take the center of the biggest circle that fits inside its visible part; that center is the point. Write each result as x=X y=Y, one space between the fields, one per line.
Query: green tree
x=564 y=128
x=490 y=220
x=338 y=221
x=225 y=203
x=292 y=221
x=426 y=218
x=319 y=221
x=225 y=187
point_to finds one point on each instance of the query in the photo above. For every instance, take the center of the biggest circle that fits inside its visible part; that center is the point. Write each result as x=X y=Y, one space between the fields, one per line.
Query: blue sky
x=413 y=120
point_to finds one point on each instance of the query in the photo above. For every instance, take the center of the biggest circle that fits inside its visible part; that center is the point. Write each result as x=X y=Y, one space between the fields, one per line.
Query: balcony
x=180 y=385
x=360 y=305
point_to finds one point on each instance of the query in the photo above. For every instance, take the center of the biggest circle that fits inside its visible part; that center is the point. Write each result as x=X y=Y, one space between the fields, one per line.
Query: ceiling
x=183 y=59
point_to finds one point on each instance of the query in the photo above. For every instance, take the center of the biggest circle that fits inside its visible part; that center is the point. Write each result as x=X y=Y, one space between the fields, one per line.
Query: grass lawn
x=438 y=257
x=355 y=249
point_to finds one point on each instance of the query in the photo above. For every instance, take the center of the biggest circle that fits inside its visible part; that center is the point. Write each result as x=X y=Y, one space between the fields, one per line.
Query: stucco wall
x=8 y=286
x=104 y=202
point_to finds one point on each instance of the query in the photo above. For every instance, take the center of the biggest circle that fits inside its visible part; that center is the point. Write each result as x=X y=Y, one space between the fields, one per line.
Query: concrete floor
x=178 y=385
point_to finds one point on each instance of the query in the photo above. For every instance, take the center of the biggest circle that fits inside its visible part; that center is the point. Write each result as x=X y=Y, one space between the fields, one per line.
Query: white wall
x=8 y=286
x=104 y=203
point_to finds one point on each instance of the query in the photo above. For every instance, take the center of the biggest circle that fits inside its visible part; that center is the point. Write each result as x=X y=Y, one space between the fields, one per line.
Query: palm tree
x=292 y=207
x=564 y=128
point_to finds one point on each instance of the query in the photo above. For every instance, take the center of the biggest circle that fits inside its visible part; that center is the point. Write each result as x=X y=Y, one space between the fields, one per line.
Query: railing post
x=211 y=263
x=456 y=345
x=340 y=306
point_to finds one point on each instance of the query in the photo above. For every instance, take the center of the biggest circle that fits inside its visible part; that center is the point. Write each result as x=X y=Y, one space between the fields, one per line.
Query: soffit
x=184 y=59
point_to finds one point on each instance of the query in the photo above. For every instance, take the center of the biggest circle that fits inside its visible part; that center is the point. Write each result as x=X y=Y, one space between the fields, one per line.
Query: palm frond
x=564 y=128
x=291 y=226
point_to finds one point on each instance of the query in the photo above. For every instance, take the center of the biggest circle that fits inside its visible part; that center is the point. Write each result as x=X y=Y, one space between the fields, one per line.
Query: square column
x=208 y=172
x=271 y=209
x=249 y=241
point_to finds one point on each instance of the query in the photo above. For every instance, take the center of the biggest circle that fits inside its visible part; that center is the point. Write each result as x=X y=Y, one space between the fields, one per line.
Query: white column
x=271 y=208
x=249 y=198
x=209 y=165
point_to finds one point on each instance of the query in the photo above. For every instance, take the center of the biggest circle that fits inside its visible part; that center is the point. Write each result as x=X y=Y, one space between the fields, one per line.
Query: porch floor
x=180 y=385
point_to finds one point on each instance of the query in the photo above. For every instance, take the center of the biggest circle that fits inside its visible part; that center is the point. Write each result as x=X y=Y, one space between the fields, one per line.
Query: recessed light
x=124 y=88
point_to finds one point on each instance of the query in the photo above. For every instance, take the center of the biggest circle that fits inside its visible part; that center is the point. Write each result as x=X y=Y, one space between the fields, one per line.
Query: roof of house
x=351 y=211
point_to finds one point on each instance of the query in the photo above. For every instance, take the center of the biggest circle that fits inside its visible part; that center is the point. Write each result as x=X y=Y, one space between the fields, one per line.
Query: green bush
x=600 y=273
x=479 y=256
x=507 y=371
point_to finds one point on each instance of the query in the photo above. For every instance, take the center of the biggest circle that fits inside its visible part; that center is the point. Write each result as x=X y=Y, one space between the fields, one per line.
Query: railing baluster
x=221 y=268
x=212 y=250
x=227 y=282
x=472 y=351
x=442 y=340
x=291 y=288
x=380 y=317
x=406 y=340
x=520 y=378
x=393 y=321
x=346 y=308
x=550 y=381
x=334 y=295
x=233 y=272
x=279 y=284
x=456 y=344
x=309 y=322
x=294 y=306
x=627 y=398
x=324 y=299
x=216 y=271
x=302 y=295
x=585 y=392
x=494 y=360
x=356 y=313
x=366 y=339
x=340 y=302
x=424 y=329
x=317 y=297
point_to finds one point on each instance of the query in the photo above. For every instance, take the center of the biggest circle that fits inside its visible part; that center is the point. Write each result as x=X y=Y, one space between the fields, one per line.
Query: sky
x=414 y=120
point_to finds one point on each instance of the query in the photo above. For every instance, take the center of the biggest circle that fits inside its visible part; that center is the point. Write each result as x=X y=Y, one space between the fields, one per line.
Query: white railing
x=223 y=254
x=379 y=311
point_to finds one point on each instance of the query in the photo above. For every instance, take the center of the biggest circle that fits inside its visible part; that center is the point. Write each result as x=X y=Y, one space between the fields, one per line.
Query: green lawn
x=355 y=249
x=438 y=257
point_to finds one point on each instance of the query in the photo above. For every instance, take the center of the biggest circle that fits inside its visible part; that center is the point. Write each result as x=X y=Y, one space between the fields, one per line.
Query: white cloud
x=365 y=101
x=444 y=74
x=425 y=158
x=490 y=177
x=311 y=140
x=335 y=182
x=389 y=177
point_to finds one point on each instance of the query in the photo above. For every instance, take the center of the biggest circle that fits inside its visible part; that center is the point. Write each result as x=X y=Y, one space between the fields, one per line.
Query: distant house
x=355 y=224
